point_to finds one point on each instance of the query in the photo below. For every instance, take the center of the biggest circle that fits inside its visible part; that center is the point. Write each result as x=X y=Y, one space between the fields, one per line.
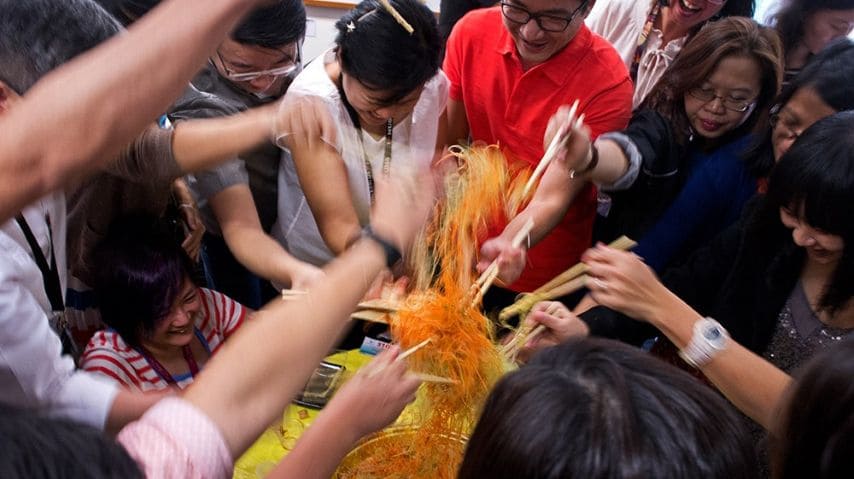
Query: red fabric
x=511 y=107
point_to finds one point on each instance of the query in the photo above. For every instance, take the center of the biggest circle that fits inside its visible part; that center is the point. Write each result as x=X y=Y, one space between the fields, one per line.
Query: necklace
x=389 y=130
x=162 y=371
x=369 y=171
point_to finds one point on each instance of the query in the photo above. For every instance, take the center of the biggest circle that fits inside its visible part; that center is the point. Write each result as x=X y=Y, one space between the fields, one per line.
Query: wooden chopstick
x=413 y=349
x=551 y=152
x=432 y=378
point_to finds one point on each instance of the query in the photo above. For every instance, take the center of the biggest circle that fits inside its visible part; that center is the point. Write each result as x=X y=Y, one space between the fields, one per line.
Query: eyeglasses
x=547 y=23
x=733 y=104
x=788 y=124
x=250 y=76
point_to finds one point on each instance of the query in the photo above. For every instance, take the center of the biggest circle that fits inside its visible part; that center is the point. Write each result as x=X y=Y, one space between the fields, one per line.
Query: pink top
x=176 y=440
x=108 y=354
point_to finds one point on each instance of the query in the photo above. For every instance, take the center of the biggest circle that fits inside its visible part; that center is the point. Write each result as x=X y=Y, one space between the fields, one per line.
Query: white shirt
x=33 y=373
x=621 y=23
x=413 y=146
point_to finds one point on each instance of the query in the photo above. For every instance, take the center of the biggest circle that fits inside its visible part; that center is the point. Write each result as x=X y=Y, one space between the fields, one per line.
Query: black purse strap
x=50 y=274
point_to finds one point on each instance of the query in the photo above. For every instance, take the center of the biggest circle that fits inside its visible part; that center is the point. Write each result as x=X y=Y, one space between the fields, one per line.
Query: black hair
x=273 y=26
x=815 y=179
x=829 y=75
x=596 y=408
x=378 y=52
x=789 y=19
x=731 y=8
x=138 y=268
x=128 y=11
x=37 y=447
x=698 y=60
x=816 y=436
x=37 y=36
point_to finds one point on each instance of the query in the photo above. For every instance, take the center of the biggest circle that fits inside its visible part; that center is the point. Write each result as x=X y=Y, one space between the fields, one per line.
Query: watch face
x=714 y=335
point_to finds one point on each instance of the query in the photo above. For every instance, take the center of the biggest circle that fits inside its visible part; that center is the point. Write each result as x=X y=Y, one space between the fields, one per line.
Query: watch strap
x=392 y=253
x=708 y=339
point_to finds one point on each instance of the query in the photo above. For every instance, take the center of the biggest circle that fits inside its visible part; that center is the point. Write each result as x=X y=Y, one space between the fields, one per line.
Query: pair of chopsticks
x=489 y=275
x=375 y=310
x=565 y=283
x=425 y=377
x=558 y=142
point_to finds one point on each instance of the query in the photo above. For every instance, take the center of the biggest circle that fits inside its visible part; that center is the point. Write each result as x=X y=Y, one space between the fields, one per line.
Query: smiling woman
x=161 y=327
x=369 y=107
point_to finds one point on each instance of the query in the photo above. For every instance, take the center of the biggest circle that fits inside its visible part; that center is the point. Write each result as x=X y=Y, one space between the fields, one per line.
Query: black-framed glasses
x=733 y=104
x=547 y=23
x=281 y=71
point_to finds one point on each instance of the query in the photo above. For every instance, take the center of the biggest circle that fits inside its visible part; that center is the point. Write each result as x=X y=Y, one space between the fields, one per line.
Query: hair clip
x=397 y=16
x=351 y=27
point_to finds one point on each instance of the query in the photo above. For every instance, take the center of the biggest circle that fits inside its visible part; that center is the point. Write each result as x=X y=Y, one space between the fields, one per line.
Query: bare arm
x=204 y=143
x=235 y=212
x=456 y=129
x=624 y=283
x=247 y=375
x=70 y=122
x=322 y=173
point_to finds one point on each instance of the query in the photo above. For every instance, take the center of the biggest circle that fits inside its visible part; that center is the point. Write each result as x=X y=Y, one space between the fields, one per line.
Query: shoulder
x=195 y=103
x=478 y=27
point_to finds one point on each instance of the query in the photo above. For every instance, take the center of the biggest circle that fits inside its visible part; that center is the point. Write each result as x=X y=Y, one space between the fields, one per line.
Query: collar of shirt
x=556 y=67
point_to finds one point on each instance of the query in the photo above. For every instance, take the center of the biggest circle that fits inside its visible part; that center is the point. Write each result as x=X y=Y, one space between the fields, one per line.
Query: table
x=280 y=438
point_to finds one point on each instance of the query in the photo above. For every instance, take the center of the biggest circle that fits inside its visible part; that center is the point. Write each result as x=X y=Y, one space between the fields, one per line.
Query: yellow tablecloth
x=279 y=438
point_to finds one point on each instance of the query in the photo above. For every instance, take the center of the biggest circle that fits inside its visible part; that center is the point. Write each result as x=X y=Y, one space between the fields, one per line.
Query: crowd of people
x=168 y=166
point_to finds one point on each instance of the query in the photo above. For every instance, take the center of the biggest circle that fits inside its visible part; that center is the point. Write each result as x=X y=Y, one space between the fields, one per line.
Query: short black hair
x=138 y=269
x=817 y=176
x=273 y=26
x=598 y=408
x=378 y=52
x=37 y=36
x=790 y=18
x=829 y=75
x=35 y=446
x=128 y=11
x=816 y=435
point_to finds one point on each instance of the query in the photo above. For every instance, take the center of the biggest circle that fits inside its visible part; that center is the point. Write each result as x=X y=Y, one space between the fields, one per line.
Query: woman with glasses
x=807 y=26
x=649 y=34
x=675 y=177
x=367 y=107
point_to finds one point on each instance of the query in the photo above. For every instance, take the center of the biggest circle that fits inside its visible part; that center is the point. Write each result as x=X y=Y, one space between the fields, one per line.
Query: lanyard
x=643 y=37
x=369 y=171
x=161 y=370
x=50 y=274
x=389 y=130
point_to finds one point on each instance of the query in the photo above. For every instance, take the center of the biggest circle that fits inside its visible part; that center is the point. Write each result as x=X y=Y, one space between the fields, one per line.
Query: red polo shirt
x=511 y=107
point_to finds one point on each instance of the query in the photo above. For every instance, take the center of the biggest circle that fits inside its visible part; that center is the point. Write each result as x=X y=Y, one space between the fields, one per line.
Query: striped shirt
x=108 y=354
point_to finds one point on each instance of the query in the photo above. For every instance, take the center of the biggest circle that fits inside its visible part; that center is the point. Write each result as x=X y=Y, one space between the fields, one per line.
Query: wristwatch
x=392 y=254
x=708 y=340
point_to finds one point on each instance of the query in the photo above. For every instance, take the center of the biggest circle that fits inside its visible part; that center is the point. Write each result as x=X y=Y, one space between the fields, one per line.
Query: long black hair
x=377 y=51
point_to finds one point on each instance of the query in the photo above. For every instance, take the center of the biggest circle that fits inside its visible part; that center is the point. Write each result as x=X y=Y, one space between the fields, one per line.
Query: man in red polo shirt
x=510 y=68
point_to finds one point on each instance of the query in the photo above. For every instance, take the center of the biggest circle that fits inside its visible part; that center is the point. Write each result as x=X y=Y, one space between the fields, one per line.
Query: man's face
x=257 y=70
x=542 y=28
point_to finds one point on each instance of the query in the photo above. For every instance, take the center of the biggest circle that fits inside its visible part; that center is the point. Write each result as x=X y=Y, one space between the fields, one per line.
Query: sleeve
x=149 y=158
x=700 y=278
x=228 y=313
x=651 y=134
x=206 y=184
x=452 y=63
x=701 y=200
x=176 y=439
x=611 y=108
x=102 y=359
x=607 y=323
x=33 y=372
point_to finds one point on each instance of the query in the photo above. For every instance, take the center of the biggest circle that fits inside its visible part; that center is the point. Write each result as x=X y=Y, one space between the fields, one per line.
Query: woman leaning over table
x=367 y=107
x=786 y=294
x=649 y=35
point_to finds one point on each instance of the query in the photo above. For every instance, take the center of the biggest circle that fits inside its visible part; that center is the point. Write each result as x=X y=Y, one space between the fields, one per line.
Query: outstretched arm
x=70 y=122
x=624 y=283
x=246 y=375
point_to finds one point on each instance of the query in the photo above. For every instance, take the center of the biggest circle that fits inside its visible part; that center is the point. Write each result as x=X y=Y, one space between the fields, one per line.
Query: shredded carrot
x=482 y=192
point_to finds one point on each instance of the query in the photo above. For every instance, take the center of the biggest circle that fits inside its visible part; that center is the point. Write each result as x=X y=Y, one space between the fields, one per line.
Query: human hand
x=403 y=203
x=621 y=281
x=305 y=275
x=575 y=148
x=192 y=243
x=511 y=260
x=376 y=395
